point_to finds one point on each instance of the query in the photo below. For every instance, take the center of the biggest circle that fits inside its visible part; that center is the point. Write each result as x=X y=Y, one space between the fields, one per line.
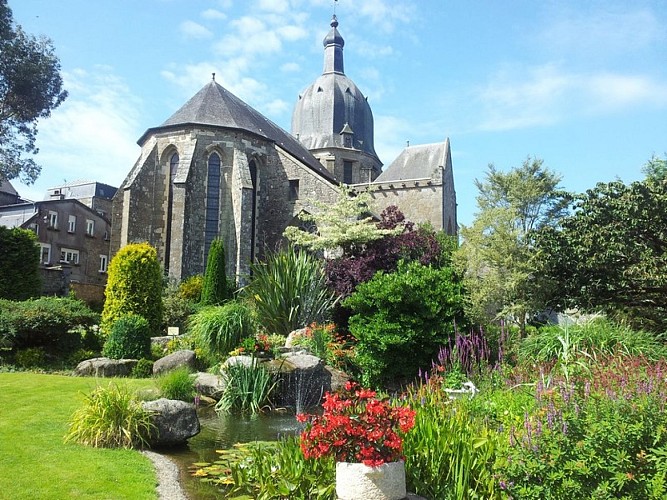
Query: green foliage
x=19 y=263
x=32 y=357
x=216 y=330
x=177 y=384
x=111 y=418
x=215 y=289
x=497 y=257
x=289 y=291
x=656 y=168
x=609 y=254
x=401 y=319
x=30 y=87
x=143 y=369
x=191 y=288
x=134 y=285
x=268 y=471
x=345 y=224
x=49 y=322
x=449 y=453
x=247 y=388
x=130 y=338
x=177 y=307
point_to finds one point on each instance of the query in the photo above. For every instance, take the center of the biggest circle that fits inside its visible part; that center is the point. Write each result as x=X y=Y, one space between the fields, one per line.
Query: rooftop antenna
x=334 y=7
x=213 y=76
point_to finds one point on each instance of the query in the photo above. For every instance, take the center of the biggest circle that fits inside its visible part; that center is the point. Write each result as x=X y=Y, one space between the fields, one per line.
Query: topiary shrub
x=143 y=369
x=401 y=319
x=130 y=338
x=216 y=330
x=134 y=285
x=215 y=289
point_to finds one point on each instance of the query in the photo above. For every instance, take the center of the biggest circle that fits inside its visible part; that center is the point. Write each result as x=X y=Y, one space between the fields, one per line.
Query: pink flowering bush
x=356 y=427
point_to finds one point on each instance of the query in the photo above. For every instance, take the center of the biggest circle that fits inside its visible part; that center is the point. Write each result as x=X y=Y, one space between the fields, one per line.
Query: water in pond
x=220 y=432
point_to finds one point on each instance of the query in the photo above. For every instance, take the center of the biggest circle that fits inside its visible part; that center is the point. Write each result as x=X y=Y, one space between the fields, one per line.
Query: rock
x=240 y=360
x=289 y=343
x=338 y=378
x=175 y=422
x=105 y=367
x=208 y=384
x=175 y=360
x=302 y=380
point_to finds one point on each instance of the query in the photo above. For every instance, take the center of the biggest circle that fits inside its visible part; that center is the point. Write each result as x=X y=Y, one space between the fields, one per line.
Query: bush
x=110 y=418
x=219 y=329
x=190 y=289
x=134 y=285
x=143 y=369
x=177 y=384
x=130 y=338
x=289 y=291
x=53 y=323
x=247 y=388
x=176 y=307
x=401 y=319
x=19 y=264
x=215 y=290
x=32 y=357
x=81 y=355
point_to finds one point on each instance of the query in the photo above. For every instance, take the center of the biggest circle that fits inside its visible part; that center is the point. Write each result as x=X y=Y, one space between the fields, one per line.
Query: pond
x=221 y=432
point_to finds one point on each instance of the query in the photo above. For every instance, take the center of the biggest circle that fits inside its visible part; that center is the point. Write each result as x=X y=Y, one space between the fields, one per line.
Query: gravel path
x=168 y=486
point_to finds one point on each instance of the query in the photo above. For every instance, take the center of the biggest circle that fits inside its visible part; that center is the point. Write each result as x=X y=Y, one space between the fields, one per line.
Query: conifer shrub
x=19 y=264
x=130 y=338
x=215 y=289
x=134 y=285
x=143 y=369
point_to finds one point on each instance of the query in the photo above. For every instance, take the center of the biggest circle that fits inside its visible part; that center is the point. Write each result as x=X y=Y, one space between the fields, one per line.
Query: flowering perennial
x=356 y=427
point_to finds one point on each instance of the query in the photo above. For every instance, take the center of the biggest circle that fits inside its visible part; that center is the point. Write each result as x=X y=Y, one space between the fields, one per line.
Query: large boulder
x=209 y=384
x=105 y=367
x=175 y=360
x=175 y=422
x=302 y=380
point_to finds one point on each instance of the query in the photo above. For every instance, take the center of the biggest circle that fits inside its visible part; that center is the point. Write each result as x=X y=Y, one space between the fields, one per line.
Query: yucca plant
x=247 y=388
x=289 y=291
x=219 y=329
x=111 y=417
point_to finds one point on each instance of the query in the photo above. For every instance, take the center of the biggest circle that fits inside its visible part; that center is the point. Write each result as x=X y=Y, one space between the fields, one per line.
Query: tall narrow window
x=212 y=202
x=104 y=261
x=71 y=223
x=347 y=172
x=53 y=219
x=45 y=255
x=253 y=225
x=90 y=227
x=173 y=168
x=294 y=189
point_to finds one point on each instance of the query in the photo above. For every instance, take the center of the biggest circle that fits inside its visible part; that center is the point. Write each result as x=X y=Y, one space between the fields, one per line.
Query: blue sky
x=580 y=84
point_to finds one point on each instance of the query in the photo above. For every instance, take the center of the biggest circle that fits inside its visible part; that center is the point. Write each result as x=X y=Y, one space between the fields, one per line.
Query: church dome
x=332 y=112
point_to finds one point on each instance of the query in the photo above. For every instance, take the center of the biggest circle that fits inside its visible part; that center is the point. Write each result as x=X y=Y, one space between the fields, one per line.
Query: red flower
x=356 y=427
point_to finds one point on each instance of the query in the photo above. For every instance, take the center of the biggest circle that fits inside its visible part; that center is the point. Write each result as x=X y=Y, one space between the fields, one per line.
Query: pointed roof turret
x=333 y=49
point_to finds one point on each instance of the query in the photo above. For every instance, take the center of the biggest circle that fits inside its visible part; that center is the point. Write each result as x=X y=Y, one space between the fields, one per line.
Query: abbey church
x=217 y=168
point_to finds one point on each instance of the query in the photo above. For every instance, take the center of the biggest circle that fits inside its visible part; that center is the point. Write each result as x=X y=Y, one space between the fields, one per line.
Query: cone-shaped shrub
x=215 y=290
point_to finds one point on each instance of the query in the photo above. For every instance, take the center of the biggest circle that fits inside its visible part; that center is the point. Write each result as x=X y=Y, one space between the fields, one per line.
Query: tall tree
x=30 y=87
x=19 y=264
x=497 y=256
x=215 y=289
x=610 y=254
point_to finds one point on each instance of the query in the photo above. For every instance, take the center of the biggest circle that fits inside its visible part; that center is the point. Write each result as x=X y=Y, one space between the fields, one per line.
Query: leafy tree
x=342 y=226
x=498 y=256
x=19 y=264
x=134 y=285
x=610 y=254
x=656 y=168
x=30 y=87
x=215 y=290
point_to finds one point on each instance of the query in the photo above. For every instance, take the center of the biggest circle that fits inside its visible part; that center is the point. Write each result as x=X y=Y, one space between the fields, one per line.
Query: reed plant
x=111 y=417
x=247 y=388
x=289 y=291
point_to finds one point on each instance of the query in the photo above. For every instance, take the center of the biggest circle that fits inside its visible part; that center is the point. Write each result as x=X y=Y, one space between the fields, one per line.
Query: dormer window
x=348 y=136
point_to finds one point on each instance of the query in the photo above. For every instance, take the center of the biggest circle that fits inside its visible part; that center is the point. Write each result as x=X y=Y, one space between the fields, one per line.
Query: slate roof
x=6 y=187
x=215 y=106
x=417 y=162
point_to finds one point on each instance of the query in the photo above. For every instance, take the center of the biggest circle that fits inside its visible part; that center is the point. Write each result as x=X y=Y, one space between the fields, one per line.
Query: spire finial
x=213 y=76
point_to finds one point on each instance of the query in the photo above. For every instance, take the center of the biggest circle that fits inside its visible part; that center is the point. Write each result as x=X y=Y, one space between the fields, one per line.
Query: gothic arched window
x=212 y=202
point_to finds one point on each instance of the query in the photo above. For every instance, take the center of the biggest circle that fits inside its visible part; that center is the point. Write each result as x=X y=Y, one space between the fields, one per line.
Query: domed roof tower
x=333 y=119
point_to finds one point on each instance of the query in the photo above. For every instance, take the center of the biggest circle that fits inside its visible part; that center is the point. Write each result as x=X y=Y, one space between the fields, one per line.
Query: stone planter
x=356 y=481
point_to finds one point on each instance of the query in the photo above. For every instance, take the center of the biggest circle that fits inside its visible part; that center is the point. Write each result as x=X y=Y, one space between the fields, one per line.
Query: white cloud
x=194 y=30
x=213 y=14
x=290 y=67
x=279 y=6
x=526 y=97
x=292 y=33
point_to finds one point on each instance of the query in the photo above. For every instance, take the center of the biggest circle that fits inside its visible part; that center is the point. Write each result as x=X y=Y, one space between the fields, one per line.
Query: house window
x=45 y=253
x=347 y=172
x=294 y=189
x=104 y=260
x=69 y=256
x=71 y=223
x=35 y=228
x=90 y=227
x=53 y=219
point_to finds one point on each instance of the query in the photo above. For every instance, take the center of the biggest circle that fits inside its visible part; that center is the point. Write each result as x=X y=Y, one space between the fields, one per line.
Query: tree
x=19 y=264
x=134 y=285
x=30 y=87
x=342 y=226
x=656 y=168
x=498 y=257
x=610 y=254
x=215 y=290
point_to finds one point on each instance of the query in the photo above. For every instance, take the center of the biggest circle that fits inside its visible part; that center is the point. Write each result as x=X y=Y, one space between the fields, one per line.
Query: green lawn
x=34 y=461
